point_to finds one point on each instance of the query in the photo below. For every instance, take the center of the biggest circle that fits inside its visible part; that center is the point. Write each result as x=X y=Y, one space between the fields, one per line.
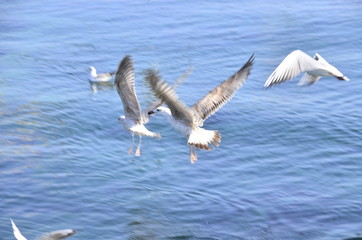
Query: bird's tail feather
x=204 y=139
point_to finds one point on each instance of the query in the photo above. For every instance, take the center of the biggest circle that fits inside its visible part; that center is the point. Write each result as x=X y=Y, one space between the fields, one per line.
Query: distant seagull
x=100 y=77
x=297 y=62
x=56 y=235
x=190 y=120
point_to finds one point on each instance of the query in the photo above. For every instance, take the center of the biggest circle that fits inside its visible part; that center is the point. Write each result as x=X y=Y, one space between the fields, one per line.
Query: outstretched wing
x=221 y=94
x=125 y=84
x=158 y=102
x=17 y=232
x=167 y=94
x=295 y=63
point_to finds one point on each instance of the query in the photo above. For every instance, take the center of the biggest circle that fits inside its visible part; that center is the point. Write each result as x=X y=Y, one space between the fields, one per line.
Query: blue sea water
x=289 y=165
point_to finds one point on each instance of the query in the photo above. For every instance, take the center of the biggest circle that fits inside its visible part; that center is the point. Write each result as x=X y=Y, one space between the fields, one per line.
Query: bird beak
x=343 y=78
x=151 y=112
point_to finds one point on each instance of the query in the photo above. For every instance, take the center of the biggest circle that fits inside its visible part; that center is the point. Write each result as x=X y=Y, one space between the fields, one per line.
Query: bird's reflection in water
x=101 y=86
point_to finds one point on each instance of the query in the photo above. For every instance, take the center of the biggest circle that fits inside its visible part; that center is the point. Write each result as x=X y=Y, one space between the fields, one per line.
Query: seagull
x=297 y=62
x=189 y=120
x=134 y=119
x=100 y=77
x=56 y=235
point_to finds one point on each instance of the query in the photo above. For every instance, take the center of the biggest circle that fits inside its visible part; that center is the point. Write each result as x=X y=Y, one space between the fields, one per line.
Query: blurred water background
x=289 y=165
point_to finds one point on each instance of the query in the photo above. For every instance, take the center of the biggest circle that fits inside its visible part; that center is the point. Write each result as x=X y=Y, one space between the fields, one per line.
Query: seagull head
x=93 y=70
x=333 y=71
x=162 y=110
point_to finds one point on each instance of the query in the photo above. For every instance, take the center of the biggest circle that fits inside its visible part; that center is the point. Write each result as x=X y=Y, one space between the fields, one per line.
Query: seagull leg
x=138 y=150
x=193 y=155
x=130 y=150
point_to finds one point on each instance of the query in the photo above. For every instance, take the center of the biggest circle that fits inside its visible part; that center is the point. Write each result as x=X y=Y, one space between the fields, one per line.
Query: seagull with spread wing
x=56 y=235
x=134 y=119
x=190 y=120
x=297 y=62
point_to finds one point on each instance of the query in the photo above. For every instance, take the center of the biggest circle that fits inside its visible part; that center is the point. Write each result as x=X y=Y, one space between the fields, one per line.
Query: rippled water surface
x=289 y=165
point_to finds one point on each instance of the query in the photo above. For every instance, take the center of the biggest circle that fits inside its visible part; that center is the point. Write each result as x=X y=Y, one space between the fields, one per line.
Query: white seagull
x=297 y=62
x=134 y=119
x=56 y=235
x=190 y=120
x=100 y=77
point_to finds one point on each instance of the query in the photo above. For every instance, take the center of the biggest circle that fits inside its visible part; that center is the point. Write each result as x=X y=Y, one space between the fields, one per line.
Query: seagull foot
x=193 y=155
x=130 y=150
x=138 y=152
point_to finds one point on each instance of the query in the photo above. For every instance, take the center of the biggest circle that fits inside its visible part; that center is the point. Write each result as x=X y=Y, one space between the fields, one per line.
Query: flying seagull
x=56 y=235
x=190 y=120
x=100 y=77
x=134 y=119
x=297 y=62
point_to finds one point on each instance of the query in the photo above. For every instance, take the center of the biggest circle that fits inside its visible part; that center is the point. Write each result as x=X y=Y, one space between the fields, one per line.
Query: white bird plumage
x=133 y=119
x=189 y=120
x=99 y=77
x=297 y=62
x=56 y=235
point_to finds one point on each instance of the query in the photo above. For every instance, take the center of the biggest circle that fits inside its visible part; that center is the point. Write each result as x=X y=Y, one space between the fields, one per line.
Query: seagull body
x=189 y=121
x=100 y=77
x=297 y=62
x=134 y=119
x=56 y=235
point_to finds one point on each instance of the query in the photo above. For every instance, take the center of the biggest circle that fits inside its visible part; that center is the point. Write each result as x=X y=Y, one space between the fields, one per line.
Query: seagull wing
x=167 y=94
x=319 y=58
x=295 y=63
x=57 y=235
x=17 y=232
x=183 y=76
x=158 y=102
x=125 y=84
x=308 y=79
x=216 y=98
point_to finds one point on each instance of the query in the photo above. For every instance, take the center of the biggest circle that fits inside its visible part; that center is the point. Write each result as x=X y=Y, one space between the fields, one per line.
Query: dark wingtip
x=252 y=56
x=251 y=59
x=247 y=66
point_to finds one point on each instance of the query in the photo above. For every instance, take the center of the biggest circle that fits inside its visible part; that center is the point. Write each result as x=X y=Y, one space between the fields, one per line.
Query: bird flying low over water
x=100 y=77
x=189 y=120
x=56 y=235
x=297 y=62
x=134 y=119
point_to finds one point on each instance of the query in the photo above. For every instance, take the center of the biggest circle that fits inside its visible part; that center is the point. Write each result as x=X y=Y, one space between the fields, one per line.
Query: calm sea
x=289 y=165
